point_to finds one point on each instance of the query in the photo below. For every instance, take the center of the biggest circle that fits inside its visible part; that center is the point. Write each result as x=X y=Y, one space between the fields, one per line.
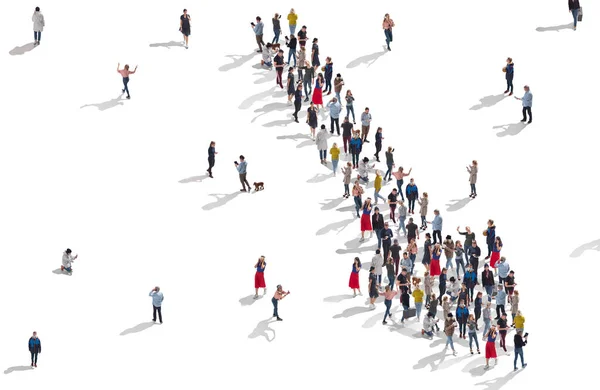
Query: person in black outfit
x=184 y=26
x=503 y=329
x=297 y=101
x=386 y=239
x=487 y=281
x=574 y=8
x=291 y=44
x=443 y=277
x=520 y=342
x=279 y=68
x=474 y=252
x=412 y=230
x=402 y=281
x=211 y=158
x=378 y=140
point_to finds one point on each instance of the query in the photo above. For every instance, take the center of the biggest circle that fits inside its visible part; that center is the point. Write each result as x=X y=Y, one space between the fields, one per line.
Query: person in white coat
x=377 y=262
x=321 y=140
x=67 y=260
x=38 y=25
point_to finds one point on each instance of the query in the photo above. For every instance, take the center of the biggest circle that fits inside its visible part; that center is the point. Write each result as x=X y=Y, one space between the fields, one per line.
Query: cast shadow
x=488 y=101
x=371 y=322
x=194 y=179
x=498 y=383
x=138 y=328
x=168 y=45
x=338 y=227
x=222 y=200
x=249 y=300
x=319 y=177
x=510 y=129
x=271 y=107
x=58 y=271
x=352 y=312
x=20 y=50
x=555 y=28
x=262 y=329
x=369 y=59
x=280 y=123
x=338 y=298
x=475 y=366
x=238 y=60
x=333 y=203
x=434 y=361
x=17 y=368
x=248 y=102
x=353 y=246
x=107 y=104
x=594 y=245
x=303 y=144
x=265 y=77
x=402 y=329
x=458 y=204
x=294 y=137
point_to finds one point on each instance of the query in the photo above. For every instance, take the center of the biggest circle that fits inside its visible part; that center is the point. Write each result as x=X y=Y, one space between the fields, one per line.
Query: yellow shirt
x=335 y=153
x=292 y=19
x=378 y=180
x=519 y=322
x=418 y=295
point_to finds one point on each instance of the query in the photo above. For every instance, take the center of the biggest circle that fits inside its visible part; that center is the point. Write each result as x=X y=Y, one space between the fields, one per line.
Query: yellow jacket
x=418 y=295
x=335 y=153
x=378 y=180
x=292 y=19
x=519 y=322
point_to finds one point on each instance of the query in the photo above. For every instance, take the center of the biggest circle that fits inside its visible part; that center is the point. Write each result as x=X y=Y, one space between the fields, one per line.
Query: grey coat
x=473 y=174
x=424 y=203
x=38 y=21
x=347 y=175
x=322 y=139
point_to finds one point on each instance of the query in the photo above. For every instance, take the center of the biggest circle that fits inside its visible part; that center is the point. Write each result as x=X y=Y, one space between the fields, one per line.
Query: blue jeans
x=355 y=158
x=399 y=184
x=486 y=326
x=337 y=96
x=347 y=189
x=388 y=172
x=449 y=263
x=379 y=196
x=307 y=88
x=391 y=279
x=275 y=302
x=276 y=38
x=378 y=234
x=459 y=263
x=357 y=204
x=488 y=291
x=335 y=164
x=519 y=352
x=323 y=154
x=327 y=85
x=292 y=29
x=125 y=82
x=388 y=306
x=350 y=109
x=473 y=336
x=389 y=37
x=575 y=13
x=418 y=306
x=401 y=225
x=37 y=35
x=412 y=258
x=449 y=341
x=291 y=54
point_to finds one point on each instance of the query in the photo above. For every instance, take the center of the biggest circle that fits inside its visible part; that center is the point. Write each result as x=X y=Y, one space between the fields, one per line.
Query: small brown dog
x=259 y=186
x=275 y=47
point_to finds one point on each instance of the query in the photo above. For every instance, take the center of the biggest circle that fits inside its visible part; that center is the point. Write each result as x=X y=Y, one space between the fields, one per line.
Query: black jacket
x=519 y=341
x=377 y=222
x=292 y=43
x=574 y=4
x=489 y=280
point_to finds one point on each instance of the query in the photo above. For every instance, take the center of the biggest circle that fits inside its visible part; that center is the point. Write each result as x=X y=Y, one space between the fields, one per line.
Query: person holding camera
x=278 y=296
x=242 y=170
x=291 y=43
x=258 y=31
x=267 y=56
x=276 y=28
x=338 y=83
x=520 y=342
x=428 y=324
x=157 y=298
x=67 y=260
x=490 y=348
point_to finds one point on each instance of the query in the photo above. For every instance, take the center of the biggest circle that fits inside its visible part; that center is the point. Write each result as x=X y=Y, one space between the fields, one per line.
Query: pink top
x=388 y=23
x=278 y=295
x=399 y=175
x=125 y=72
x=389 y=295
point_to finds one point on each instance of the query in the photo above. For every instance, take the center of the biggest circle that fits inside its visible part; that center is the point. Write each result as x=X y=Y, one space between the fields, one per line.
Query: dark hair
x=258 y=18
x=68 y=251
x=366 y=108
x=323 y=127
x=269 y=44
x=378 y=251
x=371 y=269
x=242 y=157
x=499 y=240
x=339 y=75
x=426 y=234
x=184 y=10
x=37 y=9
x=452 y=279
x=359 y=263
x=303 y=26
x=448 y=237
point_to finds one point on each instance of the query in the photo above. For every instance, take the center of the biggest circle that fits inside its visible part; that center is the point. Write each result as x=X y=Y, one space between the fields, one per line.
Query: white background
x=121 y=187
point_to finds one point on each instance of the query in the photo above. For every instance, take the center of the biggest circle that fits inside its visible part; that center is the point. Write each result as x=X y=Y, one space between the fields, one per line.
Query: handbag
x=580 y=14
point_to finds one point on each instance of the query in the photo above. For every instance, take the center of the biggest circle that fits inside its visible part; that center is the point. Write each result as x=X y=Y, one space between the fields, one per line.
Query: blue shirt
x=241 y=168
x=258 y=28
x=437 y=223
x=501 y=297
x=365 y=119
x=334 y=109
x=261 y=269
x=527 y=99
x=157 y=298
x=503 y=269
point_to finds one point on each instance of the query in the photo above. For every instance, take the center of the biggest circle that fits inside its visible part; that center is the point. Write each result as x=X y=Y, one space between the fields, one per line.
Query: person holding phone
x=184 y=26
x=242 y=170
x=278 y=296
x=527 y=100
x=490 y=348
x=258 y=31
x=520 y=342
x=125 y=72
x=157 y=299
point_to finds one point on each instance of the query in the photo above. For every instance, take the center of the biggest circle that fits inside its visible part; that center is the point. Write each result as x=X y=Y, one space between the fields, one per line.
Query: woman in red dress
x=354 y=284
x=317 y=98
x=365 y=220
x=434 y=267
x=259 y=277
x=490 y=347
x=496 y=248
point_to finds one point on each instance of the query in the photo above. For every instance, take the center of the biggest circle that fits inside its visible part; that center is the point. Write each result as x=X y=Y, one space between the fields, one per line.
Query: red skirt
x=259 y=280
x=494 y=259
x=434 y=268
x=490 y=350
x=365 y=223
x=317 y=96
x=354 y=280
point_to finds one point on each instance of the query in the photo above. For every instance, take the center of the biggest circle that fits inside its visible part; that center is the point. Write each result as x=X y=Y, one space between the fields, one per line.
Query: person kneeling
x=428 y=323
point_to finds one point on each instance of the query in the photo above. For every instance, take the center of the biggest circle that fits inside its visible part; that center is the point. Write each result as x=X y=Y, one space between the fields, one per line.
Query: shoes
x=454 y=353
x=487 y=257
x=367 y=141
x=211 y=176
x=279 y=319
x=524 y=365
x=515 y=369
x=255 y=296
x=471 y=352
x=35 y=364
x=296 y=120
x=523 y=120
x=486 y=367
x=31 y=364
x=479 y=352
x=528 y=122
x=510 y=94
x=506 y=91
x=384 y=322
x=154 y=320
x=243 y=190
x=123 y=91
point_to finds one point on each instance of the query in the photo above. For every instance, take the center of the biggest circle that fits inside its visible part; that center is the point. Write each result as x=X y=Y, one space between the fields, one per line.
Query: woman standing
x=389 y=295
x=412 y=249
x=427 y=252
x=490 y=236
x=519 y=322
x=315 y=54
x=311 y=119
x=400 y=175
x=259 y=276
x=487 y=319
x=211 y=158
x=357 y=192
x=459 y=252
x=448 y=246
x=436 y=253
x=445 y=305
x=428 y=287
x=469 y=237
x=350 y=105
x=574 y=9
x=38 y=25
x=322 y=144
x=478 y=303
x=328 y=75
x=514 y=307
x=418 y=297
x=354 y=280
x=278 y=296
x=490 y=348
x=276 y=28
x=347 y=171
x=291 y=85
x=338 y=83
x=301 y=56
x=424 y=202
x=125 y=72
x=309 y=75
x=365 y=220
x=292 y=18
x=389 y=161
x=472 y=329
x=335 y=157
x=473 y=178
x=388 y=23
x=378 y=142
x=184 y=27
x=510 y=72
x=317 y=97
x=496 y=252
x=377 y=186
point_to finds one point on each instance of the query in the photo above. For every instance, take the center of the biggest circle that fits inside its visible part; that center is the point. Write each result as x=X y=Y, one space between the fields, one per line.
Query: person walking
x=311 y=119
x=474 y=252
x=405 y=301
x=373 y=288
x=335 y=157
x=393 y=203
x=386 y=239
x=449 y=327
x=291 y=44
x=321 y=142
x=402 y=212
x=389 y=296
x=509 y=285
x=503 y=269
x=399 y=176
x=459 y=253
x=388 y=23
x=328 y=75
x=308 y=78
x=496 y=249
x=335 y=108
x=291 y=85
x=395 y=250
x=242 y=169
x=302 y=63
x=448 y=247
x=259 y=276
x=35 y=348
x=527 y=101
x=125 y=72
x=211 y=158
x=346 y=134
x=338 y=83
x=503 y=330
x=520 y=342
x=426 y=261
x=490 y=236
x=487 y=318
x=473 y=179
x=347 y=171
x=514 y=307
x=279 y=65
x=418 y=297
x=424 y=202
x=428 y=282
x=317 y=97
x=302 y=37
x=432 y=307
x=184 y=26
x=350 y=105
x=412 y=194
x=258 y=32
x=412 y=249
x=276 y=28
x=490 y=348
x=377 y=262
x=478 y=306
x=519 y=321
x=354 y=282
x=67 y=260
x=378 y=142
x=377 y=186
x=436 y=224
x=377 y=225
x=413 y=230
x=297 y=101
x=365 y=220
x=357 y=192
x=315 y=62
x=470 y=278
x=510 y=72
x=389 y=161
x=292 y=19
x=574 y=8
x=38 y=25
x=389 y=267
x=365 y=119
x=278 y=296
x=157 y=299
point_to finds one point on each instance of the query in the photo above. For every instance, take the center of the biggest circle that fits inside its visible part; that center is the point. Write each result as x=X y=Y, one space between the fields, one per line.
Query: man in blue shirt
x=241 y=168
x=527 y=100
x=157 y=298
x=334 y=113
x=437 y=226
x=500 y=302
x=258 y=31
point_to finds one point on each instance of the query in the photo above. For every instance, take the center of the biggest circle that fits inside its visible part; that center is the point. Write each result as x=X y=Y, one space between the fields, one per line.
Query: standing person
x=258 y=32
x=424 y=202
x=527 y=100
x=437 y=226
x=389 y=161
x=35 y=348
x=317 y=97
x=503 y=330
x=428 y=287
x=373 y=288
x=292 y=19
x=448 y=247
x=487 y=281
x=490 y=348
x=357 y=192
x=412 y=194
x=436 y=253
x=472 y=330
x=347 y=171
x=315 y=62
x=478 y=306
x=418 y=297
x=442 y=284
x=350 y=105
x=378 y=185
x=276 y=28
x=503 y=267
x=322 y=144
x=509 y=285
x=302 y=36
x=389 y=267
x=514 y=307
x=38 y=25
x=490 y=236
x=309 y=77
x=335 y=157
x=496 y=249
x=328 y=75
x=510 y=73
x=291 y=44
x=470 y=281
x=279 y=64
x=574 y=9
x=469 y=237
x=378 y=142
x=500 y=302
x=365 y=119
x=462 y=315
x=402 y=212
x=519 y=321
x=413 y=249
x=259 y=276
x=157 y=299
x=445 y=305
x=389 y=295
x=279 y=295
x=354 y=283
x=335 y=108
x=67 y=259
x=400 y=175
x=449 y=327
x=433 y=309
x=346 y=134
x=297 y=101
x=487 y=318
x=338 y=83
x=427 y=252
x=413 y=230
x=473 y=179
x=301 y=56
x=377 y=224
x=365 y=220
x=393 y=202
x=386 y=239
x=520 y=342
x=125 y=72
x=474 y=252
x=211 y=158
x=395 y=253
x=291 y=85
x=242 y=171
x=184 y=27
x=377 y=262
x=388 y=23
x=459 y=252
x=311 y=119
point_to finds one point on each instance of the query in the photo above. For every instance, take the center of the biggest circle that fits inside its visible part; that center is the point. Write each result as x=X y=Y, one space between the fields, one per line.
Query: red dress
x=494 y=259
x=434 y=267
x=318 y=94
x=354 y=279
x=259 y=277
x=365 y=221
x=490 y=349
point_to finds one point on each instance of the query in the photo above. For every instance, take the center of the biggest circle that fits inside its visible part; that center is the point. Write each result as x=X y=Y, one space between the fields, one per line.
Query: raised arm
x=134 y=70
x=118 y=66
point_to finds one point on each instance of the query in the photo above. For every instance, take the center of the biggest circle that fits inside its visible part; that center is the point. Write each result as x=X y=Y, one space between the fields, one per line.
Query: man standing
x=35 y=347
x=503 y=270
x=346 y=133
x=509 y=285
x=487 y=281
x=279 y=68
x=436 y=225
x=258 y=31
x=412 y=194
x=474 y=252
x=302 y=37
x=334 y=113
x=520 y=342
x=241 y=168
x=412 y=229
x=157 y=298
x=373 y=287
x=386 y=239
x=500 y=302
x=503 y=329
x=279 y=295
x=393 y=202
x=527 y=99
x=297 y=101
x=377 y=225
x=67 y=259
x=365 y=119
x=308 y=78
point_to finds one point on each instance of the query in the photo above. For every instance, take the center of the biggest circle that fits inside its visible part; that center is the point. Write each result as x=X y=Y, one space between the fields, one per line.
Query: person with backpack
x=412 y=194
x=35 y=348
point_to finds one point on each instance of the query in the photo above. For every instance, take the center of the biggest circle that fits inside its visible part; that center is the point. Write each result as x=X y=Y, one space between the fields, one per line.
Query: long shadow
x=319 y=178
x=555 y=28
x=58 y=271
x=337 y=227
x=368 y=59
x=248 y=102
x=594 y=245
x=168 y=45
x=265 y=77
x=17 y=368
x=303 y=144
x=20 y=50
x=194 y=179
x=338 y=298
x=294 y=137
x=280 y=123
x=222 y=200
x=271 y=107
x=488 y=101
x=238 y=60
x=510 y=129
x=262 y=330
x=353 y=246
x=352 y=312
x=499 y=382
x=249 y=300
x=373 y=320
x=458 y=204
x=107 y=104
x=138 y=328
x=475 y=366
x=333 y=203
x=434 y=361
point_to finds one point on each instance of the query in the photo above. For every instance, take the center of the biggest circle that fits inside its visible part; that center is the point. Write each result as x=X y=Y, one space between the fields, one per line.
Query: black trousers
x=34 y=357
x=297 y=108
x=475 y=263
x=377 y=150
x=211 y=164
x=386 y=249
x=499 y=308
x=337 y=125
x=527 y=110
x=438 y=234
x=157 y=309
